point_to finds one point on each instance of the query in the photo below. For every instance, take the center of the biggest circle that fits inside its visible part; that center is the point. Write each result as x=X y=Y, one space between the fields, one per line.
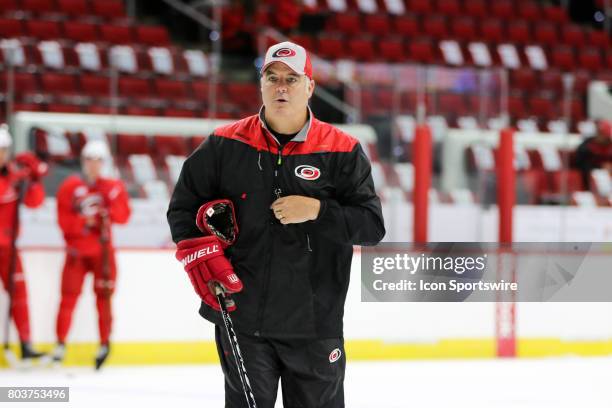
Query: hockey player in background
x=303 y=196
x=25 y=170
x=87 y=205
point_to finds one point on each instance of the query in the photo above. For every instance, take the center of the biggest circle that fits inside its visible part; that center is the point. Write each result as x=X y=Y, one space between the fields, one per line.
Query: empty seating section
x=524 y=36
x=63 y=52
x=66 y=54
x=149 y=164
x=540 y=43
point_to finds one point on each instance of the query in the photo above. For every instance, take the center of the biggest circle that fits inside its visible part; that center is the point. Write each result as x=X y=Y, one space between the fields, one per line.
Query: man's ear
x=311 y=87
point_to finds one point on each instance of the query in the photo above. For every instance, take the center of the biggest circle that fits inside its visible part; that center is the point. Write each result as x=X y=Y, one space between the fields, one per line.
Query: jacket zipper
x=277 y=192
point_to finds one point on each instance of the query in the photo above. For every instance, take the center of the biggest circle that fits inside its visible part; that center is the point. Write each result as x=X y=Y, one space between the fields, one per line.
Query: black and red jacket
x=295 y=276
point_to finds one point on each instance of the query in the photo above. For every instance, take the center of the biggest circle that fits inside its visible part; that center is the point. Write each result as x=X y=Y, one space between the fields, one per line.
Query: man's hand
x=296 y=209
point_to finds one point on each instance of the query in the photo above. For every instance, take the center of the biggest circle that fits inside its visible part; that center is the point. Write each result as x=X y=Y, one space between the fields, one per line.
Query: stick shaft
x=231 y=334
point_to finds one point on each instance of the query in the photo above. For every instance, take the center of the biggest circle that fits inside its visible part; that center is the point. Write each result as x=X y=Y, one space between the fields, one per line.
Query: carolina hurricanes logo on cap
x=283 y=52
x=307 y=172
x=334 y=355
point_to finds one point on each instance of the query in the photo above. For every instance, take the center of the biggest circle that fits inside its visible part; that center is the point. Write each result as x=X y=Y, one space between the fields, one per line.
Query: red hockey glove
x=203 y=258
x=217 y=218
x=37 y=168
x=205 y=263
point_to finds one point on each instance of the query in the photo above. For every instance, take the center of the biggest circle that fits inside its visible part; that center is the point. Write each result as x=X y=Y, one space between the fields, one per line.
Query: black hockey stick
x=231 y=334
x=8 y=353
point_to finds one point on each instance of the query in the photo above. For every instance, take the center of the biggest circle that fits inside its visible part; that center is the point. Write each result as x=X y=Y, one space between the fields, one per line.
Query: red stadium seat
x=516 y=105
x=598 y=38
x=11 y=28
x=24 y=83
x=384 y=99
x=555 y=14
x=581 y=80
x=529 y=10
x=572 y=34
x=152 y=35
x=476 y=8
x=406 y=25
x=449 y=7
x=577 y=110
x=573 y=179
x=99 y=110
x=346 y=23
x=377 y=24
x=464 y=29
x=170 y=89
x=95 y=85
x=492 y=30
x=245 y=94
x=590 y=58
x=518 y=32
x=59 y=84
x=422 y=50
x=81 y=32
x=546 y=33
x=542 y=106
x=368 y=103
x=200 y=90
x=132 y=144
x=38 y=6
x=109 y=9
x=563 y=57
x=43 y=30
x=170 y=145
x=117 y=34
x=134 y=87
x=30 y=107
x=64 y=108
x=502 y=9
x=451 y=104
x=392 y=49
x=331 y=47
x=523 y=78
x=552 y=80
x=74 y=8
x=361 y=48
x=8 y=6
x=179 y=113
x=420 y=6
x=435 y=26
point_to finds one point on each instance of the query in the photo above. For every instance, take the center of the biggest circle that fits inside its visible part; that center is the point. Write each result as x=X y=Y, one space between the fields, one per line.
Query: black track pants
x=311 y=371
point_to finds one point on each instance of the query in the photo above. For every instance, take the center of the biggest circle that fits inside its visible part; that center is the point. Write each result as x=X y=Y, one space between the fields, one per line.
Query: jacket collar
x=301 y=135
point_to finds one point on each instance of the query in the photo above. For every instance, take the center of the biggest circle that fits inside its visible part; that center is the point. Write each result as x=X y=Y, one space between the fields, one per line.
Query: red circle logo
x=283 y=52
x=307 y=172
x=334 y=355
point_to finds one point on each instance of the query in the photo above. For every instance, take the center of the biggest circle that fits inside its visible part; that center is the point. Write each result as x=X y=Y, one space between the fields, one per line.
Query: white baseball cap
x=95 y=149
x=292 y=55
x=5 y=136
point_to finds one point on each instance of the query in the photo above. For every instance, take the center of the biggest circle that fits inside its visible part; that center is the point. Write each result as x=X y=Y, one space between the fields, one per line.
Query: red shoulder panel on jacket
x=322 y=137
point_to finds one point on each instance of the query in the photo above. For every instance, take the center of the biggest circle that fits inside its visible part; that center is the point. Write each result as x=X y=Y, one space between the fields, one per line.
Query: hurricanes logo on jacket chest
x=307 y=172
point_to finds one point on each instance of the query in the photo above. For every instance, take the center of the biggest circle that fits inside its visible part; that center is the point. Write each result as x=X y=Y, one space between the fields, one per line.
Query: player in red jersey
x=19 y=176
x=87 y=205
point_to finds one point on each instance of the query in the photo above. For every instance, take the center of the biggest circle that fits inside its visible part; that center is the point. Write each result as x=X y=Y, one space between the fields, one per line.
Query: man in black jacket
x=303 y=196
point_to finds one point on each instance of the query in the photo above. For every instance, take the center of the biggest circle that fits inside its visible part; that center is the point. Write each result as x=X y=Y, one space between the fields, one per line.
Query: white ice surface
x=549 y=383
